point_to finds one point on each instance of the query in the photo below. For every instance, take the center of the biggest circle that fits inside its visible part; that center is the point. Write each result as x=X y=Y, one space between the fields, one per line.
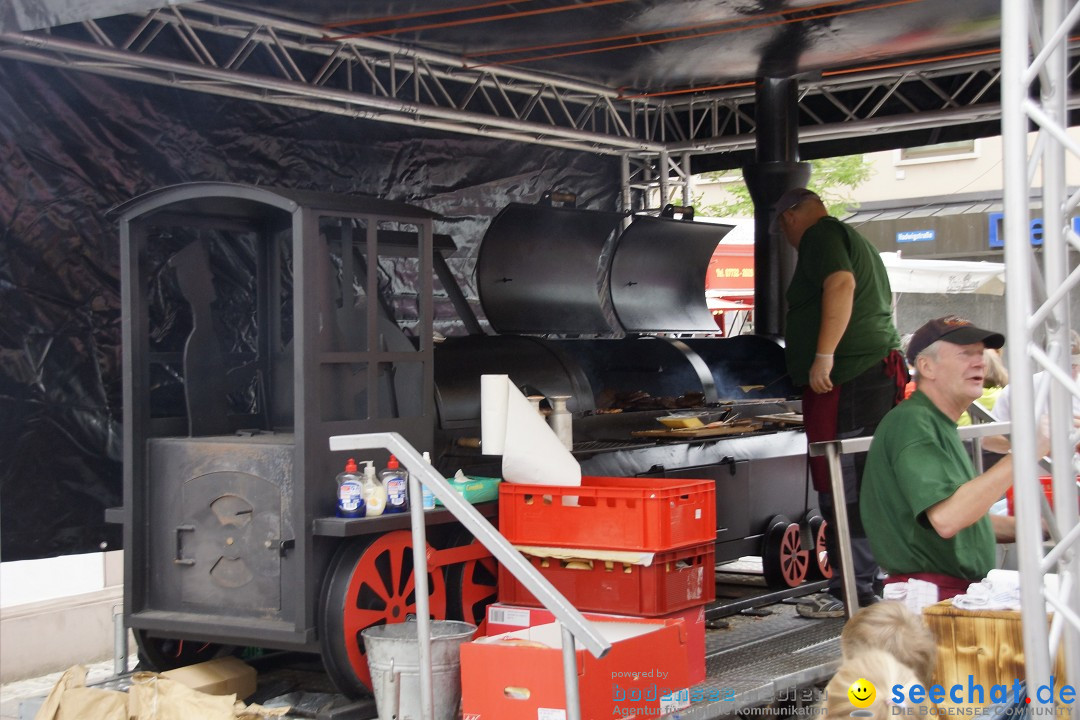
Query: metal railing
x=574 y=625
x=833 y=449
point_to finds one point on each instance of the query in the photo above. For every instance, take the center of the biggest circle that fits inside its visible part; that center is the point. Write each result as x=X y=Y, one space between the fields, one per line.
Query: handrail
x=574 y=624
x=832 y=450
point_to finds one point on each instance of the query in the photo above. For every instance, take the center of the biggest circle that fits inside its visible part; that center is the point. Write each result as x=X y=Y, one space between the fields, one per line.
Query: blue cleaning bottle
x=396 y=481
x=350 y=499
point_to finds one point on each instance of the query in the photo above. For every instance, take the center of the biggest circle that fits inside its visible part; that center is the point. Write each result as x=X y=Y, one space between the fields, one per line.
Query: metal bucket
x=393 y=657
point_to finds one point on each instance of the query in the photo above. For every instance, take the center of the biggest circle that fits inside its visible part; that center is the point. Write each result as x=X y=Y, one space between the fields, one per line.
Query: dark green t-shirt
x=827 y=247
x=916 y=460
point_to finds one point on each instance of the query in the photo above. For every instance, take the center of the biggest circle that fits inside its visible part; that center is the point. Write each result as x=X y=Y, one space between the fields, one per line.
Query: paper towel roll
x=531 y=452
x=493 y=413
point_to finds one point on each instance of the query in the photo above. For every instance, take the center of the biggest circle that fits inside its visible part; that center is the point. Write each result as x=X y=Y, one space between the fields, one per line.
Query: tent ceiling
x=611 y=76
x=649 y=46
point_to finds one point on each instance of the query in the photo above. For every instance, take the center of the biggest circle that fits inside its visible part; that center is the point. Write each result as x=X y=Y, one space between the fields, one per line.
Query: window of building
x=941 y=152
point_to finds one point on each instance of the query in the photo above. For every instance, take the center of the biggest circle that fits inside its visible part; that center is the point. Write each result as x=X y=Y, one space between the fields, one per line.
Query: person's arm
x=996 y=444
x=1004 y=528
x=837 y=298
x=972 y=500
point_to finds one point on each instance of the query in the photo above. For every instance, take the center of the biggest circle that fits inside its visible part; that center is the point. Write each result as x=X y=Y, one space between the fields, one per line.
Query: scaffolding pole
x=1034 y=49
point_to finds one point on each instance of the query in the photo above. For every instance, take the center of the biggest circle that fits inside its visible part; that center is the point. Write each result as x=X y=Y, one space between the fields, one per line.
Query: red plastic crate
x=677 y=579
x=1047 y=483
x=650 y=514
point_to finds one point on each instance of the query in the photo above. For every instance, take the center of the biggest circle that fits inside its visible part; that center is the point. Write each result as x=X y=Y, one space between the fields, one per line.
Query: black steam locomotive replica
x=255 y=328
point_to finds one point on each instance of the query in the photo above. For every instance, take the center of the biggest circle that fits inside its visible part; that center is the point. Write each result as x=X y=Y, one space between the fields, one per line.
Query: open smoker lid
x=539 y=269
x=546 y=270
x=658 y=275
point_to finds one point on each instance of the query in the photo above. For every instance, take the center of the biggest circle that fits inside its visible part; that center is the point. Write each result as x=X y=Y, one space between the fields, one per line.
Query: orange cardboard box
x=502 y=618
x=519 y=675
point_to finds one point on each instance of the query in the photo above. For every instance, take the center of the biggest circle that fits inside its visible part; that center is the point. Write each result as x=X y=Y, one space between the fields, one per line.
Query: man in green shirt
x=924 y=508
x=842 y=347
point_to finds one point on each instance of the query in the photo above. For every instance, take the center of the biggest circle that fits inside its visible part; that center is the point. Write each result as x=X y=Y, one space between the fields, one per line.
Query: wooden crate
x=988 y=644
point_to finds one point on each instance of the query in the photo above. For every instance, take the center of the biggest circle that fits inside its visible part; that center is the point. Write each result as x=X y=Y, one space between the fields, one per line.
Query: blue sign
x=996 y=239
x=909 y=236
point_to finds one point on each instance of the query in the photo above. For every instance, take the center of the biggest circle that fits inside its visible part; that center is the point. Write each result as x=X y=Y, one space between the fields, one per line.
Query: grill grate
x=598 y=445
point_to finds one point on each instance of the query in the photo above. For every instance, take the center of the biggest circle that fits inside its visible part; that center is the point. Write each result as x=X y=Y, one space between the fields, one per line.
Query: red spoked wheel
x=820 y=568
x=369 y=582
x=471 y=586
x=783 y=561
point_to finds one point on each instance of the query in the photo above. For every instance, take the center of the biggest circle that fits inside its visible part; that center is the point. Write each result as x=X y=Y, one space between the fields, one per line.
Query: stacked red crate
x=674 y=520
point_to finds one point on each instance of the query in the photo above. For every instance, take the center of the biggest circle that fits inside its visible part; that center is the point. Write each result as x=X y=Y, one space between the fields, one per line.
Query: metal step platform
x=778 y=659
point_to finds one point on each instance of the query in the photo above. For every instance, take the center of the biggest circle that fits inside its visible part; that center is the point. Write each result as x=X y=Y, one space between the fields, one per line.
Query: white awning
x=944 y=276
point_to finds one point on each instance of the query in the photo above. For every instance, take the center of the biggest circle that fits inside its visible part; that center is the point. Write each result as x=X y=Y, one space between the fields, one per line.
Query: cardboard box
x=519 y=675
x=223 y=676
x=502 y=618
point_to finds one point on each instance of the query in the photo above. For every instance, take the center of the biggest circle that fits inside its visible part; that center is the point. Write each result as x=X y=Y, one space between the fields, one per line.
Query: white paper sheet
x=531 y=451
x=493 y=413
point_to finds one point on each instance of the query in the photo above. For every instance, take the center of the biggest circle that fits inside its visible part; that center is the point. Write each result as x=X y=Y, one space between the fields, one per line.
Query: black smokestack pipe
x=776 y=170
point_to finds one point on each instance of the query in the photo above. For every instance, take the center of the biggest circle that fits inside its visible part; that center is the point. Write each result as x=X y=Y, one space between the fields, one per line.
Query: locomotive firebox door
x=233 y=542
x=221 y=522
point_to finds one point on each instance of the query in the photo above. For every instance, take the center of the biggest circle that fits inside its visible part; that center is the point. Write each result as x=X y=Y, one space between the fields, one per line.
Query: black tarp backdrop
x=72 y=146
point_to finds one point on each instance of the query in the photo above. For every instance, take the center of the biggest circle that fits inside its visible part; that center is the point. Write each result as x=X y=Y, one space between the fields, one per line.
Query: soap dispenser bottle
x=428 y=495
x=374 y=492
x=350 y=499
x=396 y=481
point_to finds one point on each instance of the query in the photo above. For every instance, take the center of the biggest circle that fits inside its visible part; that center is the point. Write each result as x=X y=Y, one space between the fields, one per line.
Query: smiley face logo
x=862 y=693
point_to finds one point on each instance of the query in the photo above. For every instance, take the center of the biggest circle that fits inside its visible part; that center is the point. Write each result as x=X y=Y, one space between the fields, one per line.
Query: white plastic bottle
x=396 y=481
x=429 y=497
x=350 y=499
x=374 y=492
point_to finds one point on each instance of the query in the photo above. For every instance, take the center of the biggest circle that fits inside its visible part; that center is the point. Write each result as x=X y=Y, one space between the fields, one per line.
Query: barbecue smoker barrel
x=609 y=377
x=618 y=322
x=539 y=270
x=561 y=271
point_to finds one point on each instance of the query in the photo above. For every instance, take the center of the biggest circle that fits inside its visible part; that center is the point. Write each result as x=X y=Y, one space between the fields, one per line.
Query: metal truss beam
x=1040 y=287
x=838 y=107
x=224 y=51
x=237 y=53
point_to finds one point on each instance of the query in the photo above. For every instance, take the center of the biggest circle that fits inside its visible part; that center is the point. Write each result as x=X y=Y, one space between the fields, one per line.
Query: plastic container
x=350 y=498
x=610 y=514
x=1047 y=483
x=374 y=492
x=475 y=489
x=428 y=496
x=676 y=580
x=395 y=479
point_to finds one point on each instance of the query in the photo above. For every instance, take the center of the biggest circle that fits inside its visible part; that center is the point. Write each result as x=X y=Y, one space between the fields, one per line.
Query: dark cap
x=953 y=329
x=787 y=201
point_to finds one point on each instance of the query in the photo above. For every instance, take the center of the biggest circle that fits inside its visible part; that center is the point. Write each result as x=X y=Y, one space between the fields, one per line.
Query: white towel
x=915 y=594
x=999 y=590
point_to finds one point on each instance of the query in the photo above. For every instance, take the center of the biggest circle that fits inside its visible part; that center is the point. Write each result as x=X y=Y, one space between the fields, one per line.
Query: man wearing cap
x=842 y=347
x=925 y=509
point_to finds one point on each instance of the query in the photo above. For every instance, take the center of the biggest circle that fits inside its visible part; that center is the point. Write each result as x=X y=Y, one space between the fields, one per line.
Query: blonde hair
x=889 y=626
x=996 y=376
x=877 y=667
